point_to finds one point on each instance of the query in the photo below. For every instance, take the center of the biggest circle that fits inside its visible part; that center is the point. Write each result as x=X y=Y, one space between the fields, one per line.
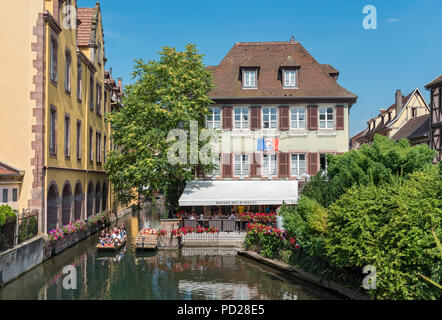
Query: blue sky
x=404 y=52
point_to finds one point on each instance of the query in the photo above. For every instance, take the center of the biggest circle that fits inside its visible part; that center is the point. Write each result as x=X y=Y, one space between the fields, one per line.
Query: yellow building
x=55 y=94
x=407 y=118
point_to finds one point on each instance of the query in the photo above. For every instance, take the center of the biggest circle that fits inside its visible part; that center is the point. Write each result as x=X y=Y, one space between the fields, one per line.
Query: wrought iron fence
x=223 y=225
x=22 y=228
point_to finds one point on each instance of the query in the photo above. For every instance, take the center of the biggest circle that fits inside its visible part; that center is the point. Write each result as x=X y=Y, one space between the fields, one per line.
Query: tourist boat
x=112 y=248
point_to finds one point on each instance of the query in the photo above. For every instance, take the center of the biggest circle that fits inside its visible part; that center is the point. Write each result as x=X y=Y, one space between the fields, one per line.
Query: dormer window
x=289 y=78
x=249 y=79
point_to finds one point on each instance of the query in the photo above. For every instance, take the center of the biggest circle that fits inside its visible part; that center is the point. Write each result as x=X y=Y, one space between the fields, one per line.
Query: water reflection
x=191 y=273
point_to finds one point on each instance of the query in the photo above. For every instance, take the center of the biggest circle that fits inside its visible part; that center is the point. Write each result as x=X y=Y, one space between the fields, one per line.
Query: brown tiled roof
x=6 y=170
x=357 y=136
x=329 y=69
x=418 y=127
x=434 y=83
x=313 y=80
x=289 y=62
x=384 y=125
x=85 y=15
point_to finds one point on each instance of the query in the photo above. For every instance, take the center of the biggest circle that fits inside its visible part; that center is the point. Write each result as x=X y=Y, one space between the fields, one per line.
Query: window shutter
x=284 y=118
x=312 y=114
x=313 y=163
x=227 y=118
x=284 y=164
x=340 y=117
x=227 y=165
x=255 y=165
x=255 y=123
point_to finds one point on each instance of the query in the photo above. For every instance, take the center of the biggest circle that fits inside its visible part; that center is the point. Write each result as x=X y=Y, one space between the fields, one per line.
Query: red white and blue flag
x=268 y=144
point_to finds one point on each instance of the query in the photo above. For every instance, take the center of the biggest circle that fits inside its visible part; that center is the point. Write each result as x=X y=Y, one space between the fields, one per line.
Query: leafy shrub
x=28 y=229
x=308 y=222
x=389 y=227
x=377 y=163
x=269 y=241
x=6 y=214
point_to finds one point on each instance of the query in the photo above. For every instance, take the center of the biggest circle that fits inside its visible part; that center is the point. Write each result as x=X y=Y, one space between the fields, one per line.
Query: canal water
x=187 y=274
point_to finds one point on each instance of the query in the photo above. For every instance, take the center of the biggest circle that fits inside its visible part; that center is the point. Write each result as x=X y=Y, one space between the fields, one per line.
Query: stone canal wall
x=21 y=259
x=31 y=253
x=298 y=273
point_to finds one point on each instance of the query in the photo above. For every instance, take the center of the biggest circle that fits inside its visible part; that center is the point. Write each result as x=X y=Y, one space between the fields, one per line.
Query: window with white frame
x=290 y=79
x=269 y=118
x=297 y=118
x=298 y=164
x=249 y=78
x=269 y=165
x=241 y=165
x=213 y=120
x=326 y=118
x=241 y=118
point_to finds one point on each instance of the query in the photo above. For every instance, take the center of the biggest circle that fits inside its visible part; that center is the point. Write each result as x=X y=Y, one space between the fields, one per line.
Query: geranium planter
x=67 y=241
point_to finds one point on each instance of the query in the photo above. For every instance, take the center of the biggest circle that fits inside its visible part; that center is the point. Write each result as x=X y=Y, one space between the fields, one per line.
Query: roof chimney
x=120 y=84
x=399 y=98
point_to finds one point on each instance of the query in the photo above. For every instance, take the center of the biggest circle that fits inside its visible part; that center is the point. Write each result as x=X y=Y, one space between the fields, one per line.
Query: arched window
x=98 y=198
x=90 y=199
x=66 y=204
x=52 y=208
x=104 y=193
x=78 y=202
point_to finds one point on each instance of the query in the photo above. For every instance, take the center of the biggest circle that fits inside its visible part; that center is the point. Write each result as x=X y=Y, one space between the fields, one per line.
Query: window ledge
x=327 y=134
x=298 y=134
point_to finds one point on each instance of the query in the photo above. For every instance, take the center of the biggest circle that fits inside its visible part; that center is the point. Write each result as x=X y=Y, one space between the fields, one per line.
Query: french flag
x=268 y=144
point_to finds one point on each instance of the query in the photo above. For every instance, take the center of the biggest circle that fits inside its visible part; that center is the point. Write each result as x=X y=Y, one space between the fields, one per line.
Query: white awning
x=228 y=193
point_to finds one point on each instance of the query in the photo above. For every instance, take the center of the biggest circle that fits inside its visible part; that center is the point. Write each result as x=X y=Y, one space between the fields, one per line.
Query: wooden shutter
x=312 y=116
x=313 y=163
x=255 y=165
x=227 y=165
x=284 y=164
x=255 y=123
x=227 y=118
x=340 y=117
x=284 y=118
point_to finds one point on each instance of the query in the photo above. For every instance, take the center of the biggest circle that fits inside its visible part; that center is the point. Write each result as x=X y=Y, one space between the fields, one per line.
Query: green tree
x=377 y=163
x=167 y=94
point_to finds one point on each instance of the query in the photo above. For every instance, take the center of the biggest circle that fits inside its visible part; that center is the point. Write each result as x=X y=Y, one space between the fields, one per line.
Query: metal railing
x=24 y=227
x=223 y=225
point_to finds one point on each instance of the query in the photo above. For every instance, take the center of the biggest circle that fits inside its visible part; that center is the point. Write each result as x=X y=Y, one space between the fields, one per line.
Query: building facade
x=56 y=95
x=435 y=88
x=406 y=118
x=278 y=113
x=11 y=180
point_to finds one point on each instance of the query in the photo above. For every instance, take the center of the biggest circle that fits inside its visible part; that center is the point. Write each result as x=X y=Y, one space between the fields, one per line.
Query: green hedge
x=389 y=227
x=6 y=214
